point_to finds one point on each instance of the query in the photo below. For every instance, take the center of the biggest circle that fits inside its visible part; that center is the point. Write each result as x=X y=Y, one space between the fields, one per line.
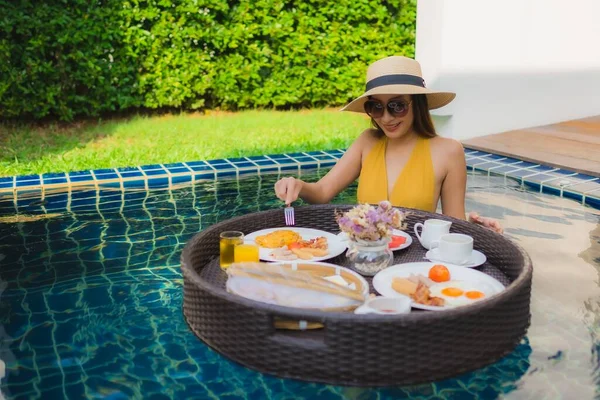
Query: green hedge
x=86 y=57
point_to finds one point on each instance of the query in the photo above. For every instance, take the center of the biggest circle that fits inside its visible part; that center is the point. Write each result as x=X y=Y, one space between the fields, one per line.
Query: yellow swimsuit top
x=414 y=187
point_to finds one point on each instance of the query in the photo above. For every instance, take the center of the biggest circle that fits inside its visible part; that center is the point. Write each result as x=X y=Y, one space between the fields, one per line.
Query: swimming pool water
x=90 y=298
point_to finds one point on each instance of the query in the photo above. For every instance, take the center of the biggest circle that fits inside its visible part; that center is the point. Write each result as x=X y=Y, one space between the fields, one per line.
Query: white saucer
x=344 y=237
x=477 y=258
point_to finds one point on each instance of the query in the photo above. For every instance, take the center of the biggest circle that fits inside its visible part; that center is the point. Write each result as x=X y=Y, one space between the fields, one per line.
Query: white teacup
x=433 y=229
x=385 y=306
x=454 y=248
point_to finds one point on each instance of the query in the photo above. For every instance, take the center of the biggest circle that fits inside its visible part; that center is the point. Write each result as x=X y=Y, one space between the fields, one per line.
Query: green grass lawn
x=144 y=140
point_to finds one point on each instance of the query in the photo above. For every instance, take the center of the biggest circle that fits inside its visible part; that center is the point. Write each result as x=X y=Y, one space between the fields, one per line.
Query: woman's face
x=394 y=125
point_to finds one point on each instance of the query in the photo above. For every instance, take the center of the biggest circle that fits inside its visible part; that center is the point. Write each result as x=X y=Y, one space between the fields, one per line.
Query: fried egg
x=460 y=293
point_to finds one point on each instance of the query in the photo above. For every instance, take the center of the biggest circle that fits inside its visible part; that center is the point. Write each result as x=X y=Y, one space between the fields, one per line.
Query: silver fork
x=288 y=212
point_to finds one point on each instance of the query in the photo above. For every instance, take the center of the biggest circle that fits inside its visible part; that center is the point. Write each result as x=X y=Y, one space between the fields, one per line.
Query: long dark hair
x=422 y=123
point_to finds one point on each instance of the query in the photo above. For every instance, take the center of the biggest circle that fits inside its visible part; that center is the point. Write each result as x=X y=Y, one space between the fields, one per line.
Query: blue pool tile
x=223 y=167
x=28 y=180
x=237 y=159
x=510 y=160
x=550 y=190
x=244 y=164
x=289 y=167
x=540 y=178
x=49 y=179
x=314 y=153
x=155 y=172
x=336 y=153
x=532 y=185
x=134 y=183
x=527 y=164
x=130 y=173
x=485 y=165
x=593 y=201
x=561 y=172
x=309 y=166
x=106 y=176
x=584 y=187
x=494 y=157
x=152 y=167
x=324 y=157
x=295 y=155
x=179 y=170
x=265 y=162
x=80 y=176
x=204 y=176
x=269 y=170
x=544 y=168
x=475 y=153
x=217 y=163
x=196 y=163
x=257 y=158
x=6 y=182
x=201 y=168
x=304 y=159
x=280 y=157
x=522 y=172
x=226 y=173
x=158 y=182
x=573 y=195
x=181 y=179
x=505 y=169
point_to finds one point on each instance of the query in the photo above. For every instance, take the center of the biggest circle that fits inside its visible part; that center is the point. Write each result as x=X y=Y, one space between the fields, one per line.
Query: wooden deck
x=573 y=145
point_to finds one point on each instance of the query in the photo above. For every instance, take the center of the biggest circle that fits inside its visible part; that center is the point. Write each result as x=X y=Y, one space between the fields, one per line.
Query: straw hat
x=398 y=75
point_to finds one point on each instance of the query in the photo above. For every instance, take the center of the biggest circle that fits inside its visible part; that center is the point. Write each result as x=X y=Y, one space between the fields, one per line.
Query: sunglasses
x=396 y=108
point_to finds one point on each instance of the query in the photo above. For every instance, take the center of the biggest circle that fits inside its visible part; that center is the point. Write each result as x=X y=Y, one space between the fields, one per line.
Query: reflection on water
x=562 y=238
x=91 y=299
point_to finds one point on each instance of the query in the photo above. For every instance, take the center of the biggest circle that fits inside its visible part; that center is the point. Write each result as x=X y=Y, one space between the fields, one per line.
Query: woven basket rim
x=189 y=272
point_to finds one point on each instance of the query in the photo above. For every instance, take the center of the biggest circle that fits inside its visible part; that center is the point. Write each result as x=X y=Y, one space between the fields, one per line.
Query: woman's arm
x=454 y=185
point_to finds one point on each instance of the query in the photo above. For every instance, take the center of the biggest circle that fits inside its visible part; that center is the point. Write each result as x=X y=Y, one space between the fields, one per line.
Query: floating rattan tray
x=358 y=350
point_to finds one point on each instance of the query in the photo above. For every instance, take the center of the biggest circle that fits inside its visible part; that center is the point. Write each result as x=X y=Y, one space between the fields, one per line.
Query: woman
x=401 y=159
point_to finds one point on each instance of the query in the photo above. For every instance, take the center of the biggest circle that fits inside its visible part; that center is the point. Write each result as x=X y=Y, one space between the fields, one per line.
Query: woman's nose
x=386 y=115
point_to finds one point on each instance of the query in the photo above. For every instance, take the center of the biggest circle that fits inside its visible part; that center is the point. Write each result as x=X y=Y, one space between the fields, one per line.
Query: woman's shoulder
x=447 y=146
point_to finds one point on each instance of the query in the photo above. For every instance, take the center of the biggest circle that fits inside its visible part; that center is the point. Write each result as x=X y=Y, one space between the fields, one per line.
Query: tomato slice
x=294 y=245
x=397 y=241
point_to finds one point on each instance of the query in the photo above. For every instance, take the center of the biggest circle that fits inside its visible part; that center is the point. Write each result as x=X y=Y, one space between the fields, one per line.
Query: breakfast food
x=439 y=273
x=396 y=241
x=288 y=245
x=460 y=293
x=278 y=238
x=404 y=286
x=439 y=290
x=423 y=296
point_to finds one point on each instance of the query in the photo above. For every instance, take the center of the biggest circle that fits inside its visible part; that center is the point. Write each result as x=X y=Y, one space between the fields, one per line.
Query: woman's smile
x=392 y=127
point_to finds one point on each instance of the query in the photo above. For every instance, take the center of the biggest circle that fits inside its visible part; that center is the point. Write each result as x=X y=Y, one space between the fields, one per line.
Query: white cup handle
x=434 y=244
x=418 y=224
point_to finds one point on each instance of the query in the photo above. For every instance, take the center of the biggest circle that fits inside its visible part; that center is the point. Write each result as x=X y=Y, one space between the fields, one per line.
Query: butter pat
x=336 y=279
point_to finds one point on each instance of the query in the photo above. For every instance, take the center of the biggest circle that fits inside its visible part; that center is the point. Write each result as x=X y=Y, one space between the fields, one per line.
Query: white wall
x=513 y=63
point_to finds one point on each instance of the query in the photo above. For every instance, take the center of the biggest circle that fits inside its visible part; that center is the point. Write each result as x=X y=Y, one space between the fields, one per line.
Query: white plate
x=382 y=282
x=344 y=236
x=335 y=245
x=477 y=258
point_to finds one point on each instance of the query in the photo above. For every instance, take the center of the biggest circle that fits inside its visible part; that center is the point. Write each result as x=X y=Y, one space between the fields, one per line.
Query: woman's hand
x=288 y=189
x=486 y=222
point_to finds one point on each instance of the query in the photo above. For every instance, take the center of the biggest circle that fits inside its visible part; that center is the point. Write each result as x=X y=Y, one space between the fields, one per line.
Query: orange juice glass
x=246 y=252
x=227 y=242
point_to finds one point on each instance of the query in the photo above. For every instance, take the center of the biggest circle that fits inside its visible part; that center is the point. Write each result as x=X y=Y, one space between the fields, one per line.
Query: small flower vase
x=368 y=257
